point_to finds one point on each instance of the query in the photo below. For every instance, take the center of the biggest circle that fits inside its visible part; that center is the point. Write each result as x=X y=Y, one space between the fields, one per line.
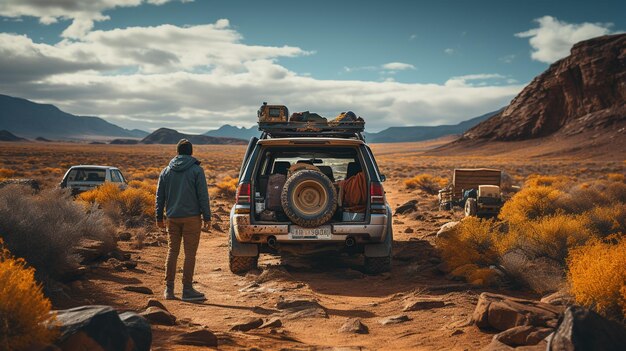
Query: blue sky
x=393 y=62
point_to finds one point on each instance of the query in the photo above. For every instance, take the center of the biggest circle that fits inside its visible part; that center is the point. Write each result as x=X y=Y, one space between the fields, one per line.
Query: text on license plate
x=310 y=233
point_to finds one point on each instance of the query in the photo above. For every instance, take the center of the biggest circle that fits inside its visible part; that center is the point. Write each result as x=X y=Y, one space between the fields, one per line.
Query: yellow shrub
x=557 y=181
x=131 y=201
x=144 y=185
x=227 y=186
x=472 y=242
x=6 y=173
x=104 y=194
x=597 y=274
x=426 y=182
x=607 y=220
x=615 y=177
x=530 y=203
x=552 y=236
x=24 y=310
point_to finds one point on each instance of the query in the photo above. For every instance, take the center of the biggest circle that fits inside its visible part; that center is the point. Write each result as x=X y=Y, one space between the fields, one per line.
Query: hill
x=31 y=119
x=228 y=131
x=171 y=136
x=421 y=133
x=5 y=135
x=577 y=106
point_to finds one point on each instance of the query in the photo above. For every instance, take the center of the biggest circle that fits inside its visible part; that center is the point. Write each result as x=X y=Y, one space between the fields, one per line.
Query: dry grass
x=597 y=275
x=427 y=182
x=44 y=228
x=135 y=204
x=226 y=187
x=24 y=310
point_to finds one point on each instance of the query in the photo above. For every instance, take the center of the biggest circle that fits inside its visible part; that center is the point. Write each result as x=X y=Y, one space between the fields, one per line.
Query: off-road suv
x=314 y=162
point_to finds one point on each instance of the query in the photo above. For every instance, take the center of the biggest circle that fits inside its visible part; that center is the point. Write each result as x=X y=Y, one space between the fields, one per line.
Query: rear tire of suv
x=309 y=198
x=241 y=264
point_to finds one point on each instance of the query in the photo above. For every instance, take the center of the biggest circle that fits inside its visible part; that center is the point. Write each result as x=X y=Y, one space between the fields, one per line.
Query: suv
x=84 y=177
x=289 y=196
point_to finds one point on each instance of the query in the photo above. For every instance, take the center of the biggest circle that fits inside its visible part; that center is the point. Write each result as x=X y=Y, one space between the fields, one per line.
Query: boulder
x=139 y=330
x=200 y=337
x=407 y=207
x=523 y=335
x=354 y=326
x=446 y=229
x=583 y=329
x=97 y=328
x=423 y=303
x=159 y=316
x=272 y=323
x=247 y=324
x=301 y=308
x=502 y=312
x=90 y=250
x=395 y=319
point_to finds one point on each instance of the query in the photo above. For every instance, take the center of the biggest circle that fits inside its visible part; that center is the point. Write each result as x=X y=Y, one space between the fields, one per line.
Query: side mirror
x=383 y=178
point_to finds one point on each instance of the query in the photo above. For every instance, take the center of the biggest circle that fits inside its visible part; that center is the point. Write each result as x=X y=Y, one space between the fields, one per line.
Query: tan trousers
x=187 y=230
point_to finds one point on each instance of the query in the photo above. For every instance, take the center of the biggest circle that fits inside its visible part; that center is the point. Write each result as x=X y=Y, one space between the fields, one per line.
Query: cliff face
x=584 y=91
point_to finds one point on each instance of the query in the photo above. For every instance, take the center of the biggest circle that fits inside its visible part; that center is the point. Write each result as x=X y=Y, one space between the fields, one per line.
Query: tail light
x=243 y=194
x=377 y=194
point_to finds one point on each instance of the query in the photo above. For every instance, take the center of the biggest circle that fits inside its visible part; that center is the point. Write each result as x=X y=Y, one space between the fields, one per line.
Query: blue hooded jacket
x=182 y=190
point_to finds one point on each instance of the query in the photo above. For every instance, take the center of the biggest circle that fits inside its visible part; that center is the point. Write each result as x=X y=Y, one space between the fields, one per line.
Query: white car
x=86 y=177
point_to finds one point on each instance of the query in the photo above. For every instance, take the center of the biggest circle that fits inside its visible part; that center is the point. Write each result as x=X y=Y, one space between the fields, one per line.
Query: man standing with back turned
x=183 y=192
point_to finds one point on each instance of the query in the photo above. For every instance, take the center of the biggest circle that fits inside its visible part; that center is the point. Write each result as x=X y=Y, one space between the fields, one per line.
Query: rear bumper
x=372 y=232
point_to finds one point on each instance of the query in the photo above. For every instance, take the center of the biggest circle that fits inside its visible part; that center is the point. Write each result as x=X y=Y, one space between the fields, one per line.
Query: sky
x=196 y=65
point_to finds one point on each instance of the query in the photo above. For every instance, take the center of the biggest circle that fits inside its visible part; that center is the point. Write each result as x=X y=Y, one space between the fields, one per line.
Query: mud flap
x=383 y=249
x=238 y=249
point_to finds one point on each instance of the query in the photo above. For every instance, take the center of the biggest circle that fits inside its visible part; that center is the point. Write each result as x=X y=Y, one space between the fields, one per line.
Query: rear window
x=87 y=175
x=274 y=112
x=116 y=176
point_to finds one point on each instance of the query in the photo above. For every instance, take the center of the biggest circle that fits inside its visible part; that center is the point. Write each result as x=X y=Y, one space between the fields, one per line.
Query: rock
x=301 y=308
x=272 y=323
x=407 y=207
x=583 y=329
x=139 y=330
x=138 y=289
x=158 y=316
x=129 y=264
x=559 y=298
x=90 y=250
x=124 y=236
x=409 y=230
x=156 y=303
x=395 y=319
x=354 y=326
x=502 y=312
x=247 y=324
x=523 y=335
x=216 y=227
x=418 y=304
x=122 y=256
x=200 y=337
x=446 y=229
x=92 y=328
x=583 y=91
x=273 y=273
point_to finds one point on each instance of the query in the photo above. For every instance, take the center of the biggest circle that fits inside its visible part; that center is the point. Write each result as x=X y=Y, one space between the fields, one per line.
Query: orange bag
x=354 y=191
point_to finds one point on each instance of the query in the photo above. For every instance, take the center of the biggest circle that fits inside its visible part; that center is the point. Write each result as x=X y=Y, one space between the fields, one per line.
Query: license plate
x=299 y=233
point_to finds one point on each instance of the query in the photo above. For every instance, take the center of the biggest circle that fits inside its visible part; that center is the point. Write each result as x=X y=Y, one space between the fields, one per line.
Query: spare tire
x=309 y=198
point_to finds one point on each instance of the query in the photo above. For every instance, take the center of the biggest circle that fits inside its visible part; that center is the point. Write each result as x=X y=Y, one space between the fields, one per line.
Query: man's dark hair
x=184 y=147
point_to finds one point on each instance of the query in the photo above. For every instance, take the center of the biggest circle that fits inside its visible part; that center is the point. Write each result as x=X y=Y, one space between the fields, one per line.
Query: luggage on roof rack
x=274 y=122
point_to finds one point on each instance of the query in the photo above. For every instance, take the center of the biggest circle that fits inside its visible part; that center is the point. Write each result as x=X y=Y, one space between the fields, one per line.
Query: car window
x=115 y=176
x=337 y=162
x=119 y=173
x=86 y=175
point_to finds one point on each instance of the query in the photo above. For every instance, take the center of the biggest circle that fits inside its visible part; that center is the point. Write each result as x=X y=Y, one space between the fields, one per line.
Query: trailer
x=476 y=190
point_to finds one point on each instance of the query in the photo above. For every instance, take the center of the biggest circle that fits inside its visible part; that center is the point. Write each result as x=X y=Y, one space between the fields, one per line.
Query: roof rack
x=353 y=129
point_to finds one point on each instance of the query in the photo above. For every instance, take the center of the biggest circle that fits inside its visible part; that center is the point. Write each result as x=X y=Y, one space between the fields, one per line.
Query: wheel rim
x=309 y=197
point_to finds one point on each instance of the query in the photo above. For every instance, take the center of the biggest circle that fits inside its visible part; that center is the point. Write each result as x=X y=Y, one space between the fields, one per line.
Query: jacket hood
x=182 y=162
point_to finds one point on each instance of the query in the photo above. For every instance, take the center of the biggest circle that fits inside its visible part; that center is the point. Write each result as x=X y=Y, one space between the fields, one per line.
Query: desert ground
x=336 y=282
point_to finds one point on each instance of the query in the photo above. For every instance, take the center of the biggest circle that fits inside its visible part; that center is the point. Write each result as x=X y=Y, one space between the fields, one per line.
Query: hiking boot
x=191 y=294
x=168 y=294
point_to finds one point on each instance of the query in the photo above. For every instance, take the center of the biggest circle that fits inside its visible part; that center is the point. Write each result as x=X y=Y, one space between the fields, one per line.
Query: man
x=182 y=191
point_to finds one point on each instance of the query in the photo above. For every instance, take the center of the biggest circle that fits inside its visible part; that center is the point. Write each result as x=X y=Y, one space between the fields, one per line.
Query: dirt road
x=336 y=283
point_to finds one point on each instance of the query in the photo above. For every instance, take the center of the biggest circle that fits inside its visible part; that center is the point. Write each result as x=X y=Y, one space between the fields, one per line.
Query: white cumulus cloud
x=397 y=66
x=553 y=39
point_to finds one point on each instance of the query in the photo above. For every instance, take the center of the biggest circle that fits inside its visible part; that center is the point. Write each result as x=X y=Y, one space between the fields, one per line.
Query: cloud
x=83 y=13
x=449 y=51
x=553 y=39
x=397 y=66
x=412 y=36
x=197 y=78
x=508 y=58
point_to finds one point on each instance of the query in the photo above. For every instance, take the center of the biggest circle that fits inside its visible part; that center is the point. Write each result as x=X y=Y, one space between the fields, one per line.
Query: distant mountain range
x=5 y=135
x=171 y=136
x=228 y=131
x=29 y=119
x=421 y=133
